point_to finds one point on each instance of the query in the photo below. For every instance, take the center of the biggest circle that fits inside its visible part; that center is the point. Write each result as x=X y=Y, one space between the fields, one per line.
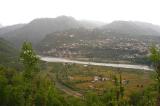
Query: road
x=68 y=90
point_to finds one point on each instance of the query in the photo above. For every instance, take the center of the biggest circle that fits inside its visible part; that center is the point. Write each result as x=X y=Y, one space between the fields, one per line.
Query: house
x=85 y=65
x=100 y=78
x=96 y=78
x=70 y=77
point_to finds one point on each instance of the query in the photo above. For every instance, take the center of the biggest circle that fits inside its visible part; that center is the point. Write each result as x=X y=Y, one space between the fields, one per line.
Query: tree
x=29 y=59
x=155 y=58
x=119 y=89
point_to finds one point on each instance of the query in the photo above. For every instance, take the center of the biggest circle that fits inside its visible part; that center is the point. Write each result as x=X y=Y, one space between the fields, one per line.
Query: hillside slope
x=130 y=28
x=37 y=29
x=7 y=29
x=117 y=41
x=8 y=54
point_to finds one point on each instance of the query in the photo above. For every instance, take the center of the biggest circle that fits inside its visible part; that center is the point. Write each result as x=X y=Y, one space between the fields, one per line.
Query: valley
x=79 y=53
x=67 y=62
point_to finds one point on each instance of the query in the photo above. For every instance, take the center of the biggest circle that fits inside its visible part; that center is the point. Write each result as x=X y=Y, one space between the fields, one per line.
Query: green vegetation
x=155 y=57
x=28 y=87
x=8 y=54
x=36 y=84
x=85 y=78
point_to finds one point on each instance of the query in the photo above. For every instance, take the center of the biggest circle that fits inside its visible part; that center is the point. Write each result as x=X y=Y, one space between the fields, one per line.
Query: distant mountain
x=8 y=54
x=1 y=26
x=38 y=28
x=10 y=28
x=91 y=24
x=66 y=37
x=122 y=41
x=131 y=28
x=119 y=29
x=149 y=25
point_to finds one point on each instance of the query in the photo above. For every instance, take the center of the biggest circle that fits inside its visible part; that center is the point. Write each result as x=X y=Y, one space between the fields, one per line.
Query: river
x=63 y=60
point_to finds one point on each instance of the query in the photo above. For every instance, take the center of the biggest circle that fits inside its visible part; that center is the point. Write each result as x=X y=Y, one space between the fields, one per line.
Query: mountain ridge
x=37 y=29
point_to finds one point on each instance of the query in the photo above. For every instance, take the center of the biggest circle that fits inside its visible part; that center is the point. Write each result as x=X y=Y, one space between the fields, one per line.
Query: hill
x=91 y=24
x=64 y=36
x=120 y=41
x=131 y=28
x=37 y=29
x=1 y=26
x=7 y=29
x=8 y=54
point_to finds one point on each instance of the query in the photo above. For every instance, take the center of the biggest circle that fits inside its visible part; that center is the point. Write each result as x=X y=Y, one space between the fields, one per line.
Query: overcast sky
x=22 y=11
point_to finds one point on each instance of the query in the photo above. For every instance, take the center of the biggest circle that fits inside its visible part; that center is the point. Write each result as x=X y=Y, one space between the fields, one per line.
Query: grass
x=80 y=77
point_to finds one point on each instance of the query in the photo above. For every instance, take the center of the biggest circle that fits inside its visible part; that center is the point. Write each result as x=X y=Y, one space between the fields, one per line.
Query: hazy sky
x=22 y=11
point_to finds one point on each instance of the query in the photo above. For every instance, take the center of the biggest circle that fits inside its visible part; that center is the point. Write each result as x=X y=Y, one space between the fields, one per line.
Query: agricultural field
x=87 y=78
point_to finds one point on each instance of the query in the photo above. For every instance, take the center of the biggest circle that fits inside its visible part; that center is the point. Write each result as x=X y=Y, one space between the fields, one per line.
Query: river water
x=63 y=60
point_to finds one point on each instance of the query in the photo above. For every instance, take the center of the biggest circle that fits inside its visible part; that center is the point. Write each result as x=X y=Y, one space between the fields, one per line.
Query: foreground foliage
x=31 y=87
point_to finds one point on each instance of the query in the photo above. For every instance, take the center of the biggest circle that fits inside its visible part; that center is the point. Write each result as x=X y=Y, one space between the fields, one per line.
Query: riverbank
x=63 y=60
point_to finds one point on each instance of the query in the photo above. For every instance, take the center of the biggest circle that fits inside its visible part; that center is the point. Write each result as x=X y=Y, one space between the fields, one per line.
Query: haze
x=23 y=11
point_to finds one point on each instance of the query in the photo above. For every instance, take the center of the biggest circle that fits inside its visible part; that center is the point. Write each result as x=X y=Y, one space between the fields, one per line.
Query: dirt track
x=68 y=90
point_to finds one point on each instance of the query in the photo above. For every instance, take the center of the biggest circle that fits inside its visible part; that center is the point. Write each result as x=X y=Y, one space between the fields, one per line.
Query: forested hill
x=8 y=54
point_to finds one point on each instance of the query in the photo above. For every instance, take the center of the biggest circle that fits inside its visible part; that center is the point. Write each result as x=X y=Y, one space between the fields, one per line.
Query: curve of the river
x=63 y=60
